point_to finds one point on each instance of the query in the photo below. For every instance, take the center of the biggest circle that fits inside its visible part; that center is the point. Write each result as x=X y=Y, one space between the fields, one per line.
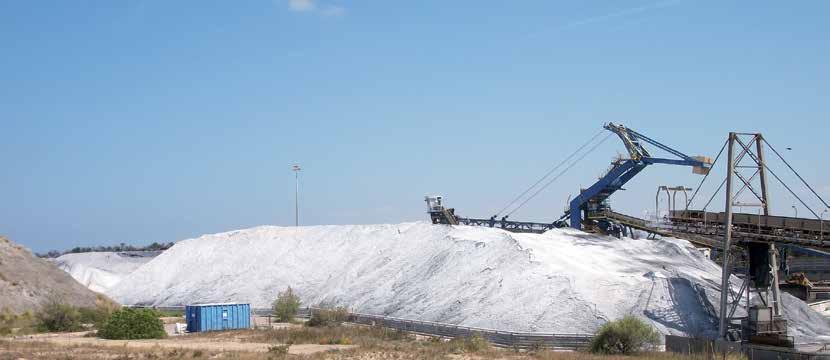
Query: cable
x=707 y=173
x=763 y=163
x=737 y=160
x=715 y=194
x=561 y=173
x=796 y=173
x=549 y=172
x=790 y=190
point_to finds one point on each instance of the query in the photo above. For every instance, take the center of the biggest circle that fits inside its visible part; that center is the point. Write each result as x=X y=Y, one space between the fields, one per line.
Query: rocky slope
x=27 y=281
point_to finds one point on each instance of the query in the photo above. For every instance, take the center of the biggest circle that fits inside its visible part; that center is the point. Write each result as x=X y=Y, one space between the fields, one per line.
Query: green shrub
x=328 y=317
x=338 y=340
x=132 y=324
x=55 y=316
x=286 y=305
x=624 y=336
x=11 y=323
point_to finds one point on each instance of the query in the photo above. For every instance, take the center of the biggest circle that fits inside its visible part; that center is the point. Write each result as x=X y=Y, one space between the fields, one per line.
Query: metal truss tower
x=746 y=168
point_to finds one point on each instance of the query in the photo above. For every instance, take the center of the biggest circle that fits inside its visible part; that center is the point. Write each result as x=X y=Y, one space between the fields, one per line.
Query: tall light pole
x=796 y=210
x=296 y=169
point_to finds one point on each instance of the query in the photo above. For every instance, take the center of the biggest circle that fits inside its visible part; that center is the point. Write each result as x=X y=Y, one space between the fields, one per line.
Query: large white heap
x=563 y=281
x=100 y=271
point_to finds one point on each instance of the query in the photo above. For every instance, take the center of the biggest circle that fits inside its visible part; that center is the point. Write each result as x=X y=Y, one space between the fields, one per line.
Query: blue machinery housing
x=593 y=198
x=215 y=317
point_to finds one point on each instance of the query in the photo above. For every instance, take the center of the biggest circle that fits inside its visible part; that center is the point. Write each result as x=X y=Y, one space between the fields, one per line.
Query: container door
x=225 y=317
x=190 y=318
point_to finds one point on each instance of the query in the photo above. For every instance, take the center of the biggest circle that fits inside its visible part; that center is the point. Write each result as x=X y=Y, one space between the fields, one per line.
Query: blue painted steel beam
x=622 y=173
x=671 y=162
x=666 y=148
x=612 y=179
x=805 y=250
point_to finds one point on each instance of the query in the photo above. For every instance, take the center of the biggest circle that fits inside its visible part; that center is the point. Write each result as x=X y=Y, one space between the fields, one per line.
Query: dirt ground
x=184 y=342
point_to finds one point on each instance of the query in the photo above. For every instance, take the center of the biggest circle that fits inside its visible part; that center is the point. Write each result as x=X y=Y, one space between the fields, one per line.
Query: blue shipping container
x=215 y=317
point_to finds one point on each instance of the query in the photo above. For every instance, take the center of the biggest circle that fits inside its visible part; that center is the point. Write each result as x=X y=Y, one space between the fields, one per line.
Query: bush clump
x=56 y=316
x=12 y=324
x=96 y=316
x=624 y=336
x=338 y=340
x=328 y=317
x=130 y=324
x=279 y=350
x=472 y=344
x=286 y=305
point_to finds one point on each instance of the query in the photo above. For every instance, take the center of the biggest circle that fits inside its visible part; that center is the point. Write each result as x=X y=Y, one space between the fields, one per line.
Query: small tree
x=129 y=324
x=625 y=336
x=286 y=305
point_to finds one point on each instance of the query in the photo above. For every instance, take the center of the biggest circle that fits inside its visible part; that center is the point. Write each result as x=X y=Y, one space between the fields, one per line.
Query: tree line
x=114 y=248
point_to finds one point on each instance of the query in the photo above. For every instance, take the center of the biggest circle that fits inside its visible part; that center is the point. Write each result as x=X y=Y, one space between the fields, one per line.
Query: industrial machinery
x=594 y=198
x=437 y=213
x=441 y=215
x=584 y=208
x=755 y=242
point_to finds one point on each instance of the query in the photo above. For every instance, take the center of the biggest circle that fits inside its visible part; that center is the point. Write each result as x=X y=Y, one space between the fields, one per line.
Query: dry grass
x=373 y=343
x=346 y=335
x=43 y=350
x=16 y=324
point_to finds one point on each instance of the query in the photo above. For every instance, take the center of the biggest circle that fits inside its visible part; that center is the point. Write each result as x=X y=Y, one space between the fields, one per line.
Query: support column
x=762 y=172
x=727 y=241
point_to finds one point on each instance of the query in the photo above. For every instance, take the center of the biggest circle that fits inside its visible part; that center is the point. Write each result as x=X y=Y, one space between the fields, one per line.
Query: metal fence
x=520 y=340
x=710 y=349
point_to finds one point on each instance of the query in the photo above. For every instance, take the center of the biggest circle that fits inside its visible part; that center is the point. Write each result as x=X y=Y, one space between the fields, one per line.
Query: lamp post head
x=295 y=167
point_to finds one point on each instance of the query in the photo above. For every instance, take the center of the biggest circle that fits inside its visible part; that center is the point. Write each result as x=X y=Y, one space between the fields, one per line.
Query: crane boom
x=622 y=170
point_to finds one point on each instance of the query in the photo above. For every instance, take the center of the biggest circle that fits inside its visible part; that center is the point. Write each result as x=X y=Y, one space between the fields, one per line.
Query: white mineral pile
x=806 y=325
x=563 y=281
x=100 y=271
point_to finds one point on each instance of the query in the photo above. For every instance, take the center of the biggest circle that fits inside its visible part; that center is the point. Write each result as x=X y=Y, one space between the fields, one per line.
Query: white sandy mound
x=563 y=281
x=100 y=271
x=805 y=325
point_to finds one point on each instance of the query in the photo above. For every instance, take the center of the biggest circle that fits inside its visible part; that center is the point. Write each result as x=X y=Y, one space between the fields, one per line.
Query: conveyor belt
x=647 y=226
x=710 y=233
x=808 y=233
x=514 y=226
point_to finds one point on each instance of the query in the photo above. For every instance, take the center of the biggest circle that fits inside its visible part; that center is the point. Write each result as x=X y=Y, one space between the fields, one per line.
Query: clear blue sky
x=142 y=121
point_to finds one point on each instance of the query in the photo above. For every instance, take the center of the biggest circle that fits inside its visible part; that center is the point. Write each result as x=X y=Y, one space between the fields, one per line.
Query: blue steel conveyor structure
x=591 y=201
x=753 y=243
x=589 y=211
